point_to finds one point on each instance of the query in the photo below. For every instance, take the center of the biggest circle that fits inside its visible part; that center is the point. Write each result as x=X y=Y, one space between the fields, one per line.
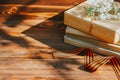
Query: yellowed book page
x=83 y=44
x=80 y=33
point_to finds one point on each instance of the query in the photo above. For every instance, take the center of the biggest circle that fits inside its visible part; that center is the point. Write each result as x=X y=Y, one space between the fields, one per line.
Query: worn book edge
x=84 y=44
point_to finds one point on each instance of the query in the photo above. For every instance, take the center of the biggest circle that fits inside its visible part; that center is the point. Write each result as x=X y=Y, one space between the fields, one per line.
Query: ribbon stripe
x=93 y=65
x=116 y=66
x=89 y=57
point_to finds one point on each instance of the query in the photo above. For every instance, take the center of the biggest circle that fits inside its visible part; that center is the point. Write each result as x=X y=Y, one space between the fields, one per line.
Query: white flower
x=102 y=17
x=107 y=9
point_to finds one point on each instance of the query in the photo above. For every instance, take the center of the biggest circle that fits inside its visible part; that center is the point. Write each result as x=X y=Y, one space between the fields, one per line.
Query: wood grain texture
x=69 y=69
x=30 y=37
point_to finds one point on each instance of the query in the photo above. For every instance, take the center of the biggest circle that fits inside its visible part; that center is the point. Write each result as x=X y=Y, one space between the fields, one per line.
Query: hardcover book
x=102 y=25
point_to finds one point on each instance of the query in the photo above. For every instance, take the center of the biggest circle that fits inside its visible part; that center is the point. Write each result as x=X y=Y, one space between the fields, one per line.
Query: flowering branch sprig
x=103 y=10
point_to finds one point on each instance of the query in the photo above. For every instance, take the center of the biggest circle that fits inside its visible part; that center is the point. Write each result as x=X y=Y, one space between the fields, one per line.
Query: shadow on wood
x=50 y=32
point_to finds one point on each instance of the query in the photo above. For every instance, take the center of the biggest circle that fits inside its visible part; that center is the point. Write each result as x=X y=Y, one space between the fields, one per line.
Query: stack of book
x=103 y=36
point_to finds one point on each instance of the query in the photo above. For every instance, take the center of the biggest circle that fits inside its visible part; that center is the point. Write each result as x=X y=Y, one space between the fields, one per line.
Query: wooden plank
x=48 y=2
x=36 y=6
x=64 y=69
x=22 y=46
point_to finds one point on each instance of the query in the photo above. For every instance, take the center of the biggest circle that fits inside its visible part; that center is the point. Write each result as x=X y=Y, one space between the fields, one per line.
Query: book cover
x=107 y=30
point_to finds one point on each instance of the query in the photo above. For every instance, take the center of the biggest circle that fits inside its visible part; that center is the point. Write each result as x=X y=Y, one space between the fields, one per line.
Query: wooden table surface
x=28 y=36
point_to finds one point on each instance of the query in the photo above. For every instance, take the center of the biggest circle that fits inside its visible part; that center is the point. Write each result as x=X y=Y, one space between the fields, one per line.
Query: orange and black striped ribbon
x=93 y=64
x=89 y=57
x=116 y=66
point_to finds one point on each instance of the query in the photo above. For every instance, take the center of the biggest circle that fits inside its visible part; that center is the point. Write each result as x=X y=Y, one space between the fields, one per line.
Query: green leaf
x=118 y=10
x=90 y=11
